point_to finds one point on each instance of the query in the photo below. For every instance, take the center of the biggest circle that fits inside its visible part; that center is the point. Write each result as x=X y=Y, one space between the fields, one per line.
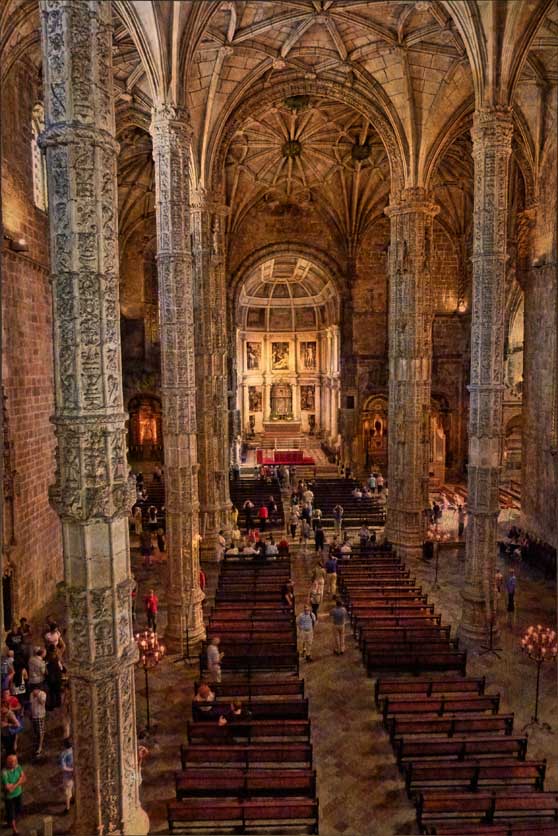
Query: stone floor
x=359 y=788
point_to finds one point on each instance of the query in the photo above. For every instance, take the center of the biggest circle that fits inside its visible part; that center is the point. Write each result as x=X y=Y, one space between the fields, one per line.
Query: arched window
x=40 y=197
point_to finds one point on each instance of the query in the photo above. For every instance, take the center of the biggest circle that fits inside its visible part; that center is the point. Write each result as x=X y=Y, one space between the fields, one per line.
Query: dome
x=287 y=293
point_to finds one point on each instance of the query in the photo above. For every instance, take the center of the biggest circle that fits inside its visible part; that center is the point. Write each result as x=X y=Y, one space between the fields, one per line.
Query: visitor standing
x=338 y=517
x=214 y=658
x=305 y=624
x=331 y=575
x=511 y=588
x=13 y=779
x=38 y=719
x=151 y=602
x=220 y=546
x=339 y=617
x=460 y=520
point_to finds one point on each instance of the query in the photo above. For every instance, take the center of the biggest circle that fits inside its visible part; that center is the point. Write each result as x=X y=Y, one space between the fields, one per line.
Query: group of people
x=147 y=521
x=34 y=683
x=256 y=547
x=521 y=546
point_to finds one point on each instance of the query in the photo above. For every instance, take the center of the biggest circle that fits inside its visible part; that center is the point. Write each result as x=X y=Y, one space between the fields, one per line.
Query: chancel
x=279 y=399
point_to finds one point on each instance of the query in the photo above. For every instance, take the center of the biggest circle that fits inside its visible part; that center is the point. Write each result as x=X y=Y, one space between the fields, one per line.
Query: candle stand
x=540 y=644
x=151 y=651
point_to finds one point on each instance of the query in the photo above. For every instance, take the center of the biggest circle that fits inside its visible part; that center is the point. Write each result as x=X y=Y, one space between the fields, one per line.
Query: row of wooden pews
x=464 y=767
x=396 y=627
x=255 y=772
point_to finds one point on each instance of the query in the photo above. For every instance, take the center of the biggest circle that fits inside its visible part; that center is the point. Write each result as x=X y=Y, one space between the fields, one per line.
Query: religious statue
x=255 y=398
x=307 y=399
x=253 y=355
x=308 y=351
x=280 y=355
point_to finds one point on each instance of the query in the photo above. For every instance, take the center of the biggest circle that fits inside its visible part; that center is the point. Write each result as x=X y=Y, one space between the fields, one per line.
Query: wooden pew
x=241 y=687
x=210 y=730
x=247 y=754
x=198 y=780
x=439 y=704
x=430 y=634
x=427 y=686
x=256 y=658
x=291 y=709
x=417 y=659
x=385 y=621
x=518 y=828
x=414 y=749
x=201 y=814
x=256 y=635
x=435 y=808
x=449 y=725
x=474 y=775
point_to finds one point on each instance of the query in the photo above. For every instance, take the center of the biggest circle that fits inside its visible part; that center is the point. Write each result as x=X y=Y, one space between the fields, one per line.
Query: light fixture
x=19 y=245
x=462 y=306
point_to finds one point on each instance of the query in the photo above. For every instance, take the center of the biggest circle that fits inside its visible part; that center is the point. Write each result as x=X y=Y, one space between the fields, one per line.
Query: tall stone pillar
x=492 y=137
x=91 y=489
x=170 y=130
x=410 y=365
x=210 y=307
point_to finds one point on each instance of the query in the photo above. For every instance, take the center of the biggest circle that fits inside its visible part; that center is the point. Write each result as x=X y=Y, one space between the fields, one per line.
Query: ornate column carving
x=410 y=365
x=91 y=489
x=171 y=133
x=210 y=307
x=492 y=136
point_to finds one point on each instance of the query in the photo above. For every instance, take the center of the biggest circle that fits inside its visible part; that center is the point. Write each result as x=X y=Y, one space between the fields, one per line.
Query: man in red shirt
x=263 y=514
x=151 y=608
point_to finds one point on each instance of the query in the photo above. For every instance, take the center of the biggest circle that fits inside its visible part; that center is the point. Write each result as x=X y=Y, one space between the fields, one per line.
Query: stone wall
x=27 y=371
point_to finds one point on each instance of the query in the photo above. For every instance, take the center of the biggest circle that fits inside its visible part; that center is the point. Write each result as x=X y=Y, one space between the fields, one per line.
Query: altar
x=282 y=429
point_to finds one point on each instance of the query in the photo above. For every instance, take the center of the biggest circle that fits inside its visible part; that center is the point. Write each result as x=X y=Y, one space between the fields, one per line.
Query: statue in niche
x=255 y=398
x=253 y=355
x=279 y=356
x=282 y=402
x=308 y=351
x=307 y=398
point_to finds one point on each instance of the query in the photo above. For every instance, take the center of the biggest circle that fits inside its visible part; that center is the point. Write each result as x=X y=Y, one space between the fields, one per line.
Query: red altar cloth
x=283 y=457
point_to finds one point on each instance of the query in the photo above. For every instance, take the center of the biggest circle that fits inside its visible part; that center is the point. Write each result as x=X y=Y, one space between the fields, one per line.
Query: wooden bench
x=256 y=635
x=198 y=780
x=240 y=687
x=474 y=775
x=256 y=658
x=434 y=808
x=427 y=686
x=380 y=607
x=384 y=621
x=288 y=709
x=518 y=828
x=415 y=660
x=247 y=609
x=440 y=705
x=206 y=814
x=247 y=754
x=449 y=725
x=431 y=635
x=200 y=730
x=458 y=748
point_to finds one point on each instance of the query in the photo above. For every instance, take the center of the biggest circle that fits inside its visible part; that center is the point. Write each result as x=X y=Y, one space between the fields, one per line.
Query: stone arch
x=387 y=126
x=145 y=429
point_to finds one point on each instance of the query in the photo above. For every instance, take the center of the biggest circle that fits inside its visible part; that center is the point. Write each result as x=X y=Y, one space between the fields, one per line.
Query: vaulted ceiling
x=288 y=94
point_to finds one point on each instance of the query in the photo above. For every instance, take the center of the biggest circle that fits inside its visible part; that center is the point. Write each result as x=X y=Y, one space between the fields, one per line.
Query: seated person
x=205 y=696
x=271 y=550
x=346 y=549
x=249 y=550
x=237 y=712
x=232 y=550
x=357 y=493
x=287 y=593
x=283 y=547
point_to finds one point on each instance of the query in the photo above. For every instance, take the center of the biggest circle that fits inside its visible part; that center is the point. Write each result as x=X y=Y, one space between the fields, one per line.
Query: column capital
x=492 y=128
x=209 y=201
x=167 y=119
x=415 y=199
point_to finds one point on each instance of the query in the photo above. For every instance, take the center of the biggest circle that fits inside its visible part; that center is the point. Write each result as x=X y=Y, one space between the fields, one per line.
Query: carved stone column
x=170 y=130
x=210 y=307
x=91 y=489
x=410 y=365
x=492 y=137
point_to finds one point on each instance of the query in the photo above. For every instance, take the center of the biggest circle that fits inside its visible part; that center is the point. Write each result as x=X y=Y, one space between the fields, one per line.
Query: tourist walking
x=305 y=624
x=339 y=617
x=338 y=517
x=67 y=765
x=305 y=534
x=331 y=575
x=460 y=520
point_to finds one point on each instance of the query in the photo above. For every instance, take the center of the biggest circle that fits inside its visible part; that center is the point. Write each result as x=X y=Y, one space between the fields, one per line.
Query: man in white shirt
x=37 y=668
x=38 y=715
x=271 y=550
x=346 y=549
x=214 y=657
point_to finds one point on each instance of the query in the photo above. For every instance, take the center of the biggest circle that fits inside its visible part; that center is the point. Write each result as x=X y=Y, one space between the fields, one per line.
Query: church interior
x=280 y=416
